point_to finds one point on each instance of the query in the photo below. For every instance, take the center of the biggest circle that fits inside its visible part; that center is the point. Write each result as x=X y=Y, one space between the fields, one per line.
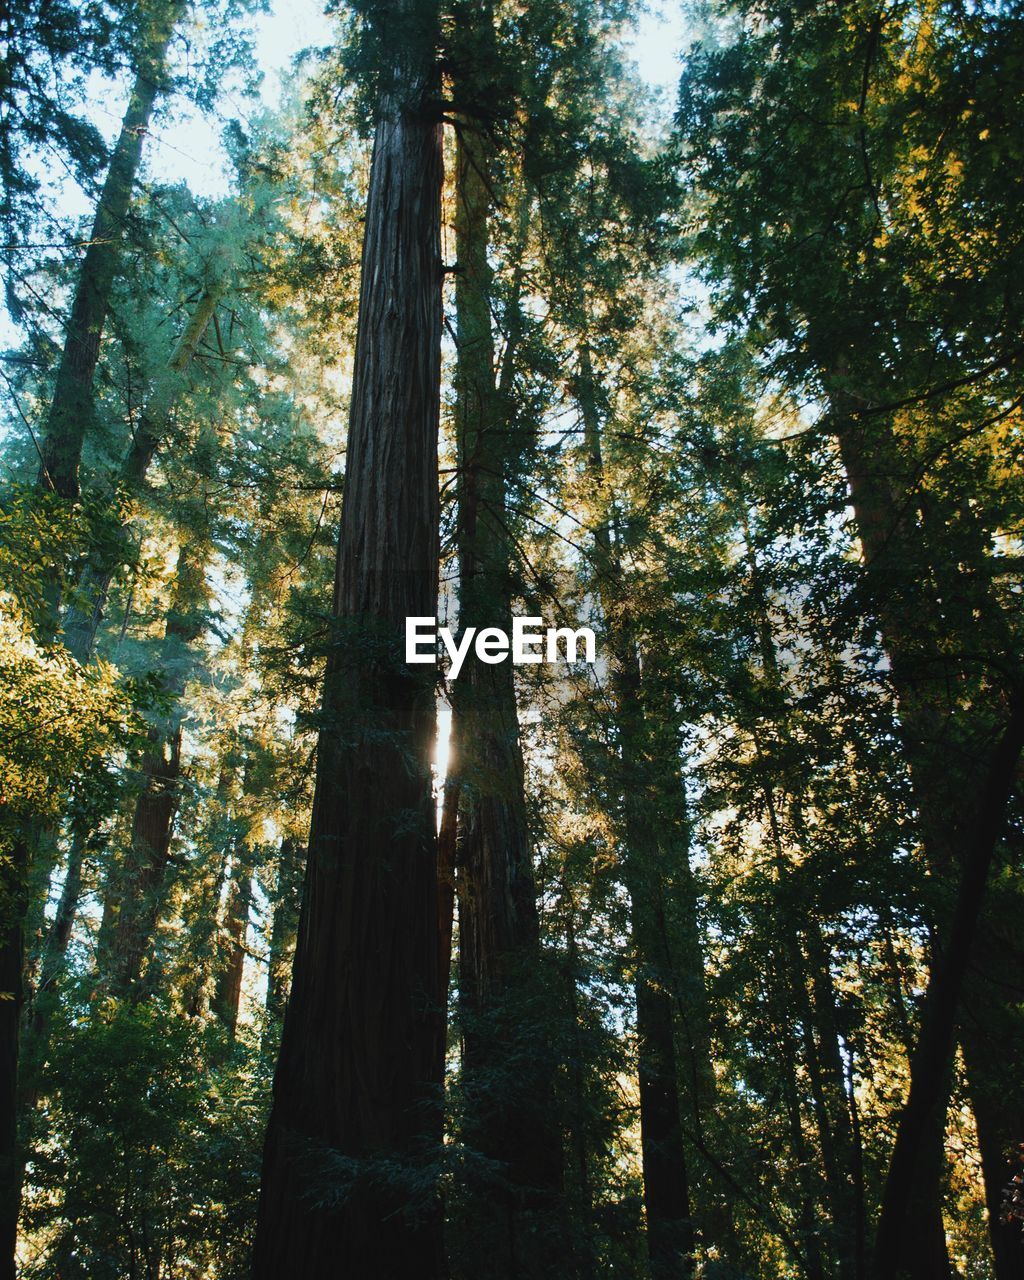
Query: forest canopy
x=691 y=951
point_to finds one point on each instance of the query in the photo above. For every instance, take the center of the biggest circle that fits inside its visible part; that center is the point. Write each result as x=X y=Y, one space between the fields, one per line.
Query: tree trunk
x=778 y=1002
x=839 y=1105
x=671 y=1239
x=13 y=877
x=898 y=1253
x=86 y=610
x=962 y=786
x=807 y=978
x=511 y=1117
x=72 y=411
x=228 y=990
x=69 y=420
x=355 y=1125
x=281 y=949
x=81 y=625
x=141 y=884
x=992 y=1038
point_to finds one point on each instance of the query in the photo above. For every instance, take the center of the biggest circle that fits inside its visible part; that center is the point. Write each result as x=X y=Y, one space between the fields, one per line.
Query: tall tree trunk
x=283 y=928
x=671 y=1239
x=69 y=420
x=85 y=612
x=82 y=621
x=228 y=989
x=511 y=1114
x=807 y=977
x=355 y=1122
x=839 y=1104
x=962 y=763
x=141 y=884
x=779 y=1005
x=578 y=1143
x=13 y=878
x=992 y=1038
x=72 y=410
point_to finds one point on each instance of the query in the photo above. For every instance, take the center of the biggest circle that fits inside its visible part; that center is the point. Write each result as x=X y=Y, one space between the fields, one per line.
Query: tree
x=865 y=319
x=355 y=1121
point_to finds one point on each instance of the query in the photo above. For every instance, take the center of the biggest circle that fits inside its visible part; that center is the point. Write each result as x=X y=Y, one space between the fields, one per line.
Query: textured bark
x=355 y=1124
x=511 y=1117
x=992 y=1038
x=228 y=990
x=72 y=410
x=283 y=929
x=13 y=876
x=141 y=885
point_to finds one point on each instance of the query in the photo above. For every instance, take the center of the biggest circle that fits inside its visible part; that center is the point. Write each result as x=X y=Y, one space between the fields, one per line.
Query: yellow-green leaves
x=57 y=718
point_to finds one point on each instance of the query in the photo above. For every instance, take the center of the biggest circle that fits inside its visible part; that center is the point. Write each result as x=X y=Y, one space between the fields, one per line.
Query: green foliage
x=151 y=1151
x=691 y=335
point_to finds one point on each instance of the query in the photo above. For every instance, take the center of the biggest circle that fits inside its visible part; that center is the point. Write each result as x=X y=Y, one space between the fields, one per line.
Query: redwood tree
x=355 y=1123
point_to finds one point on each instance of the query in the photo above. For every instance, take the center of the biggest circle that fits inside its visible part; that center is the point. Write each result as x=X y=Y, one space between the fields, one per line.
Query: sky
x=185 y=145
x=188 y=147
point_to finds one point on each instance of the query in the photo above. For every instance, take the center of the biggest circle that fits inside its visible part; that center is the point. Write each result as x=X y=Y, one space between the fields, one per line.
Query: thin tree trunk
x=961 y=809
x=999 y=1117
x=68 y=422
x=447 y=840
x=281 y=949
x=848 y=1190
x=779 y=1005
x=86 y=610
x=809 y=986
x=511 y=1115
x=355 y=1124
x=577 y=1131
x=13 y=877
x=932 y=1059
x=671 y=1240
x=72 y=411
x=228 y=990
x=992 y=1038
x=141 y=885
x=58 y=935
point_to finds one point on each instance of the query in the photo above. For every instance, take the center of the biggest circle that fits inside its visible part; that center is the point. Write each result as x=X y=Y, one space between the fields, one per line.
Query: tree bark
x=354 y=1131
x=140 y=886
x=282 y=932
x=671 y=1239
x=72 y=411
x=13 y=876
x=228 y=990
x=511 y=1116
x=962 y=786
